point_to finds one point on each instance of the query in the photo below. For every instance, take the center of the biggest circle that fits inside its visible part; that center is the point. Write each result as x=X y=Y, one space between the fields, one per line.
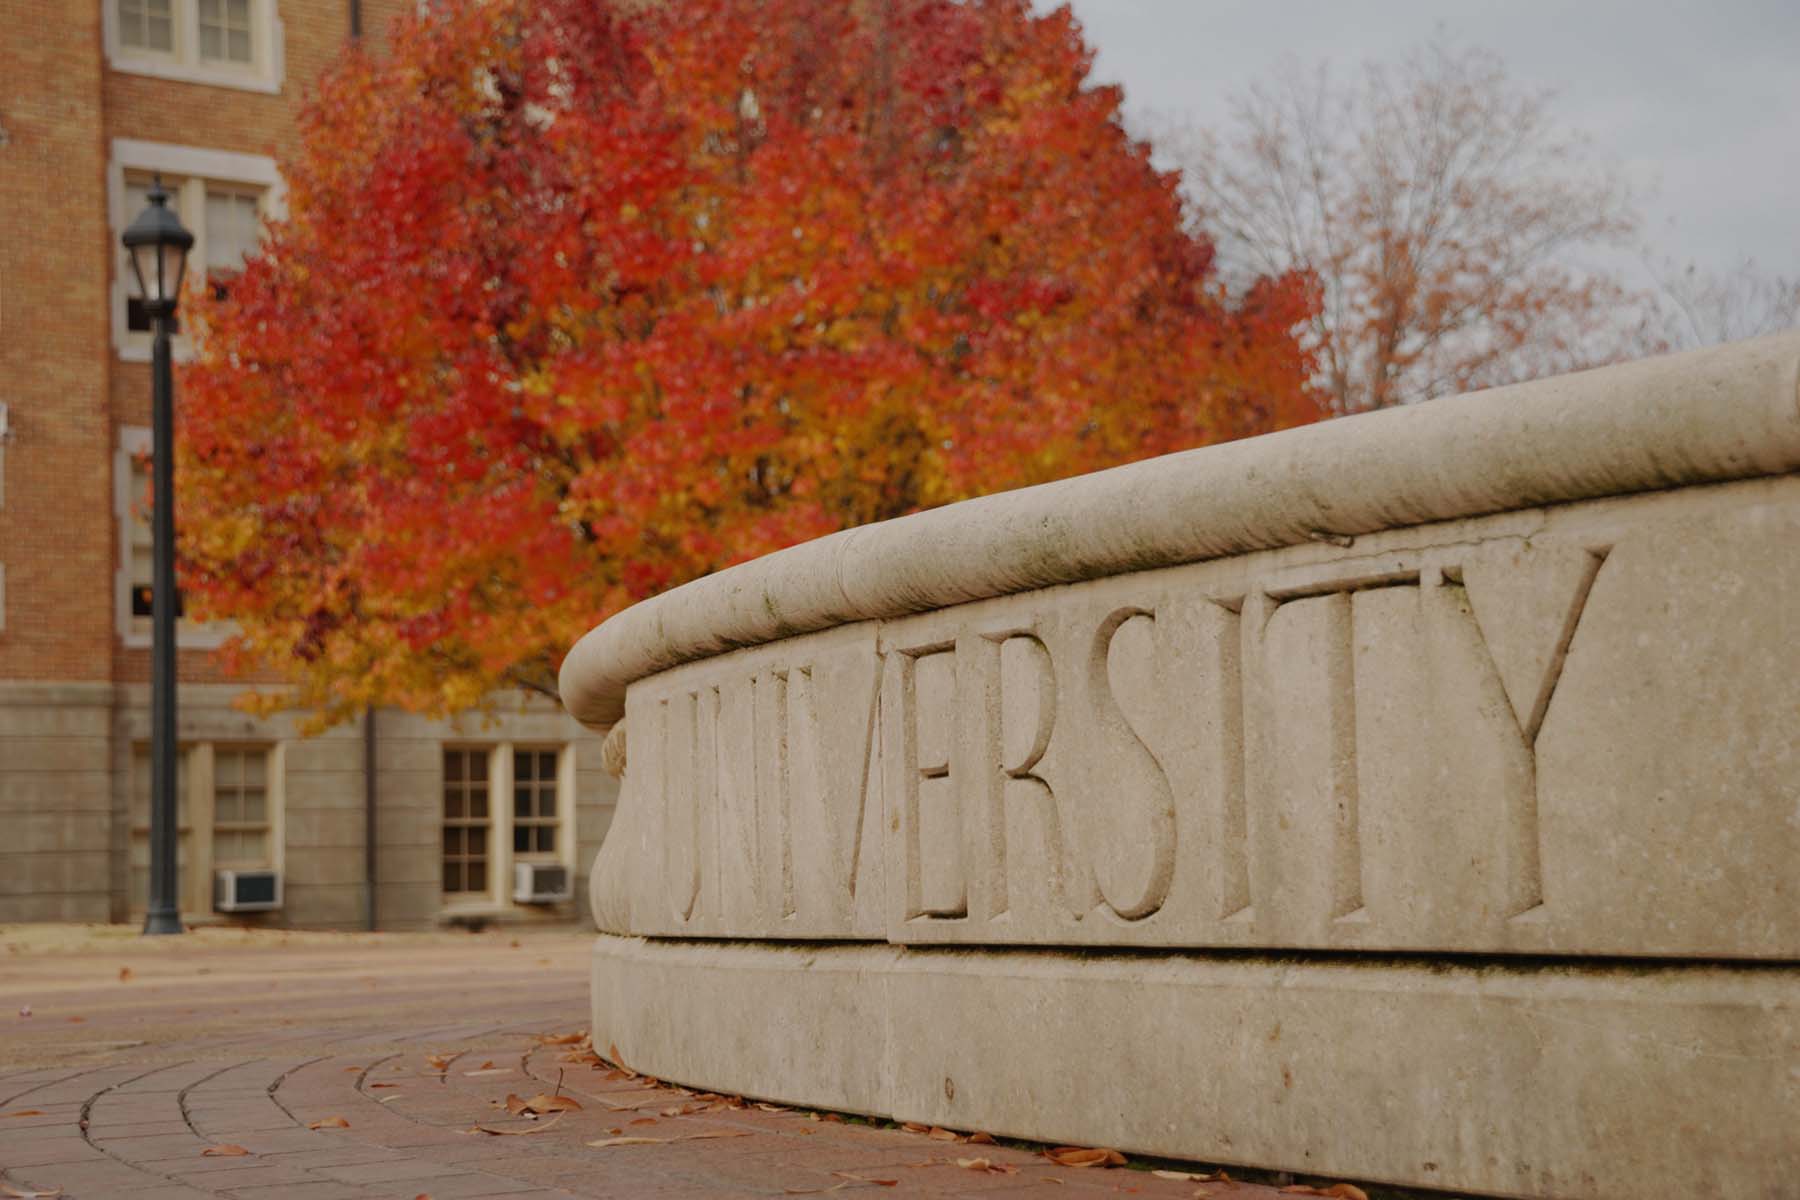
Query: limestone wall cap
x=1729 y=412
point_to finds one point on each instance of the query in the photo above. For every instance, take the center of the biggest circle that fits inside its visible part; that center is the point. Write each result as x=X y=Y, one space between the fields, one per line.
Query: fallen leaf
x=642 y=1121
x=772 y=1107
x=330 y=1123
x=226 y=1151
x=438 y=1062
x=1195 y=1176
x=486 y=1065
x=711 y=1133
x=1081 y=1156
x=538 y=1128
x=490 y=1071
x=28 y=1194
x=866 y=1179
x=915 y=1127
x=24 y=1112
x=939 y=1134
x=516 y=1104
x=603 y=1143
x=1345 y=1191
x=986 y=1166
x=981 y=1139
x=561 y=1039
x=76 y=1020
x=384 y=1085
x=542 y=1103
x=124 y=974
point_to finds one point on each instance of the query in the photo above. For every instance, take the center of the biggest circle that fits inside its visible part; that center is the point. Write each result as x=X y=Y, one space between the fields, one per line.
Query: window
x=503 y=804
x=240 y=806
x=134 y=574
x=466 y=821
x=225 y=30
x=222 y=198
x=147 y=25
x=226 y=220
x=228 y=814
x=225 y=43
x=535 y=818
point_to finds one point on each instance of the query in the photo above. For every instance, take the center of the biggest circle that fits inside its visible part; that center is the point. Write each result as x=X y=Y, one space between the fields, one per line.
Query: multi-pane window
x=147 y=25
x=140 y=557
x=466 y=820
x=240 y=806
x=225 y=31
x=534 y=817
x=225 y=218
x=140 y=825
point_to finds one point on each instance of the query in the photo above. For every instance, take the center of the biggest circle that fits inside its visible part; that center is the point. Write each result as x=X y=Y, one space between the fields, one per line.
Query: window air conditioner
x=540 y=883
x=246 y=891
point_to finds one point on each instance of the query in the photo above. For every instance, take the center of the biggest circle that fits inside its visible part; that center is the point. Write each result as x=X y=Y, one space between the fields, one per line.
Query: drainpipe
x=369 y=795
x=355 y=18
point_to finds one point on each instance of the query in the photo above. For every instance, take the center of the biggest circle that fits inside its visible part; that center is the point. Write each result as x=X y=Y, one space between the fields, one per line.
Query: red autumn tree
x=574 y=301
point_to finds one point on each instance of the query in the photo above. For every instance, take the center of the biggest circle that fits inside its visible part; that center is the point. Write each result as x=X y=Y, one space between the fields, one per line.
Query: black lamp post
x=159 y=247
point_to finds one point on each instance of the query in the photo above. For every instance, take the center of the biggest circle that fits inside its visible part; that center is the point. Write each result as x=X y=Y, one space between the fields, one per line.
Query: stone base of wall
x=1588 y=1082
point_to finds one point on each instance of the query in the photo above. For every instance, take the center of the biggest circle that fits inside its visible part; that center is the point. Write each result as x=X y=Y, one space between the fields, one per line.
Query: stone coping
x=1726 y=413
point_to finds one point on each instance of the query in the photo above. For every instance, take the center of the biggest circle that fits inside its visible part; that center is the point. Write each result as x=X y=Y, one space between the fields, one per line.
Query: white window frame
x=263 y=73
x=197 y=167
x=135 y=442
x=501 y=855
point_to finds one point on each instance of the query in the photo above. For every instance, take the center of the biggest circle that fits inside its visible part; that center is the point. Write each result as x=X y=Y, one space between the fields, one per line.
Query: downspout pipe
x=370 y=794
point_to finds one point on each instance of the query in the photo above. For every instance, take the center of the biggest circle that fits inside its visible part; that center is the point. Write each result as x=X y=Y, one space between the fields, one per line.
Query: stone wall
x=1411 y=797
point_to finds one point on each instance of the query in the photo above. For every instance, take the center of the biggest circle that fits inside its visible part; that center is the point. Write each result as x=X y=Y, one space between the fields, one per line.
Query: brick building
x=98 y=96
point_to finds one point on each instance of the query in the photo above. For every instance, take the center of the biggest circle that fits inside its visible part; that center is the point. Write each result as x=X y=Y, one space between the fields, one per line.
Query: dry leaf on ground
x=29 y=1193
x=981 y=1139
x=124 y=974
x=24 y=1112
x=561 y=1039
x=439 y=1062
x=987 y=1166
x=603 y=1143
x=383 y=1085
x=1194 y=1176
x=1082 y=1156
x=329 y=1123
x=687 y=1137
x=490 y=1071
x=226 y=1151
x=940 y=1134
x=849 y=1181
x=1338 y=1191
x=538 y=1128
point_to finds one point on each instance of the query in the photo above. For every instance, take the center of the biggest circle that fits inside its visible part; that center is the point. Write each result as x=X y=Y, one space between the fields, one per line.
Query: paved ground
x=321 y=1066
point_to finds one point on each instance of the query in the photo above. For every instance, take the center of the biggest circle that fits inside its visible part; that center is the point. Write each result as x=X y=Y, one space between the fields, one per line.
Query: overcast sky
x=1698 y=102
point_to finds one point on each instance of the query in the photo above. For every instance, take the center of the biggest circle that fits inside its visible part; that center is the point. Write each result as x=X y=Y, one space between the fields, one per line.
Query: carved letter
x=1131 y=823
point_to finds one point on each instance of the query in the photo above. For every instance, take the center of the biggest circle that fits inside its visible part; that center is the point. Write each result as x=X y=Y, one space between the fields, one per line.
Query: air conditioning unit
x=246 y=891
x=541 y=883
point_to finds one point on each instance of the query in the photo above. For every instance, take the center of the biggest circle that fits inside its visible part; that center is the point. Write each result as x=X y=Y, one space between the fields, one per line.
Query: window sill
x=180 y=72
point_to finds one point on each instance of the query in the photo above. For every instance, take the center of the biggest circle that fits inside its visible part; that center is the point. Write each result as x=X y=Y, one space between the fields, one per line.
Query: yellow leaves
x=329 y=1123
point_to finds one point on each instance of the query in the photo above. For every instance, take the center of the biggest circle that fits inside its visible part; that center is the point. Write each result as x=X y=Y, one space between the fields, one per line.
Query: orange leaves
x=510 y=365
x=227 y=1150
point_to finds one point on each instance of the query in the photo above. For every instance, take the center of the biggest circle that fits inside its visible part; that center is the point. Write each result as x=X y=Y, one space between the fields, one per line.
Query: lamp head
x=159 y=246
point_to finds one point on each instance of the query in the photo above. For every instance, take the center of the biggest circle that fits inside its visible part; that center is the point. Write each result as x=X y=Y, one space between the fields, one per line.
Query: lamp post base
x=162 y=922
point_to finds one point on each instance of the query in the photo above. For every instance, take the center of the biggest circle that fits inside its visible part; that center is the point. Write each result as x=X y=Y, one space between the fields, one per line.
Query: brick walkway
x=137 y=1058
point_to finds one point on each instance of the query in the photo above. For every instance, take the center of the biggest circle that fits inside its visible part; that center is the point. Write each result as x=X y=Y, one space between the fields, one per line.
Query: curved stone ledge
x=1730 y=412
x=1511 y=677
x=1579 y=1083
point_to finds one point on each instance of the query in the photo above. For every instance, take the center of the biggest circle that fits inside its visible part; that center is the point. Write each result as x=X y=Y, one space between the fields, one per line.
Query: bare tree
x=1696 y=307
x=1441 y=210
